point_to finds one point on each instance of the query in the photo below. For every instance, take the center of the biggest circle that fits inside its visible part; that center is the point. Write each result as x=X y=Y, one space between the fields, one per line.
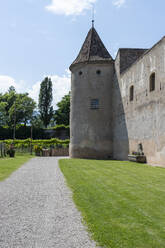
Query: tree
x=11 y=88
x=62 y=114
x=7 y=100
x=14 y=106
x=3 y=117
x=22 y=109
x=45 y=101
x=36 y=121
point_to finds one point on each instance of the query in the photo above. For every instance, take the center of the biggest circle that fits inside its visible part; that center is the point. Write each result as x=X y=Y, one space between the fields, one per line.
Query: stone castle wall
x=91 y=129
x=143 y=119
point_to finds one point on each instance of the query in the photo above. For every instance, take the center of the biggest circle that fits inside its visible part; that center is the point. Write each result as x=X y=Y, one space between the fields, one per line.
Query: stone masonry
x=117 y=104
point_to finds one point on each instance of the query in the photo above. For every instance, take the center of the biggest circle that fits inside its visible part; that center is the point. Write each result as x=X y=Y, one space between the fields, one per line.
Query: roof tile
x=93 y=49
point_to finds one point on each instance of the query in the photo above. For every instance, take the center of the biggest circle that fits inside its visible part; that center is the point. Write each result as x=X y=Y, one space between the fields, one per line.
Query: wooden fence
x=55 y=152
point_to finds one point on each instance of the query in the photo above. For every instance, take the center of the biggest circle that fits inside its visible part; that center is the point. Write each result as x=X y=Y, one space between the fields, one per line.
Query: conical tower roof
x=93 y=50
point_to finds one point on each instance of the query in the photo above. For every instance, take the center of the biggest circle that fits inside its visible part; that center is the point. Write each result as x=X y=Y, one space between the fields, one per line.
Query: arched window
x=131 y=93
x=152 y=82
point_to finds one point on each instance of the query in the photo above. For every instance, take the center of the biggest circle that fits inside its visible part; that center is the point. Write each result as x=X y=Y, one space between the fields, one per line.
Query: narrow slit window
x=131 y=93
x=152 y=82
x=94 y=104
x=98 y=72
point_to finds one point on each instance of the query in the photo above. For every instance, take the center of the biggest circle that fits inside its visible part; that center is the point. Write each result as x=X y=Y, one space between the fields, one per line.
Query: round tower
x=91 y=100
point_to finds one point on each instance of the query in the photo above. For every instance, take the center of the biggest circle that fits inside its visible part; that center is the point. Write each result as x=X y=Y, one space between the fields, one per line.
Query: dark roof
x=128 y=56
x=145 y=52
x=93 y=49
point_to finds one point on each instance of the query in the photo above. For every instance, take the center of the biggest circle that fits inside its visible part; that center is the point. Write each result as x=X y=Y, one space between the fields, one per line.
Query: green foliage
x=11 y=89
x=3 y=117
x=38 y=149
x=121 y=202
x=15 y=106
x=43 y=143
x=8 y=99
x=24 y=132
x=23 y=108
x=62 y=114
x=36 y=121
x=60 y=127
x=29 y=145
x=45 y=101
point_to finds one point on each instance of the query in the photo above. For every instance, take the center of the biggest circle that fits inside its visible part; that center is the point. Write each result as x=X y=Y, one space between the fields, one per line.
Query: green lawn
x=8 y=165
x=122 y=203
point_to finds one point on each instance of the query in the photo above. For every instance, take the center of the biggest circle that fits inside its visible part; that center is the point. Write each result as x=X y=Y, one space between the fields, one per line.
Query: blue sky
x=42 y=37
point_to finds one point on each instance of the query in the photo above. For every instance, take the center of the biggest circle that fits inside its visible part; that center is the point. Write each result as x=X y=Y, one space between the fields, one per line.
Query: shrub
x=11 y=151
x=44 y=143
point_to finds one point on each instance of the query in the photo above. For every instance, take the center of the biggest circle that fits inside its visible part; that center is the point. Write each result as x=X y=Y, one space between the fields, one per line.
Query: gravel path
x=37 y=211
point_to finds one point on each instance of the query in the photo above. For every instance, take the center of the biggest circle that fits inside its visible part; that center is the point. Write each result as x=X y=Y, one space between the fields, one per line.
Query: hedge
x=44 y=143
x=24 y=132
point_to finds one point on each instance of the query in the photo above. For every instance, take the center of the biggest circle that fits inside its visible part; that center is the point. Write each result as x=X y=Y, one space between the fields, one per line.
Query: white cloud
x=6 y=82
x=34 y=91
x=61 y=86
x=70 y=7
x=119 y=3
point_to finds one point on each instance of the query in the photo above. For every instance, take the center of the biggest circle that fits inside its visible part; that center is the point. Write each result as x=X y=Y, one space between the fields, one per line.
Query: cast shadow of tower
x=120 y=132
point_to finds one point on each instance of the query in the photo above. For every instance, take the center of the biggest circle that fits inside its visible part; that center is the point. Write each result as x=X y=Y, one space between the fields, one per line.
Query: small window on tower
x=80 y=73
x=98 y=72
x=131 y=93
x=152 y=82
x=94 y=104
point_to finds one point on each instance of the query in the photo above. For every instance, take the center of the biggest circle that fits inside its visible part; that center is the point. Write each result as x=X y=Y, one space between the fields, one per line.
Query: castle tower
x=91 y=100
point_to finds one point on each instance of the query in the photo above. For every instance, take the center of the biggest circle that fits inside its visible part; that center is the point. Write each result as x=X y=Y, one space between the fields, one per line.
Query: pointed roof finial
x=93 y=15
x=93 y=50
x=93 y=21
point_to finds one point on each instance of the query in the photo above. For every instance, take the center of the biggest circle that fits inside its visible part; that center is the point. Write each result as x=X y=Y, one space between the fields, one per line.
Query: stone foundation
x=89 y=153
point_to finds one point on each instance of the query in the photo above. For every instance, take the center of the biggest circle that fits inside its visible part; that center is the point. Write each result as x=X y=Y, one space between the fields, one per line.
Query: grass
x=122 y=203
x=8 y=165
